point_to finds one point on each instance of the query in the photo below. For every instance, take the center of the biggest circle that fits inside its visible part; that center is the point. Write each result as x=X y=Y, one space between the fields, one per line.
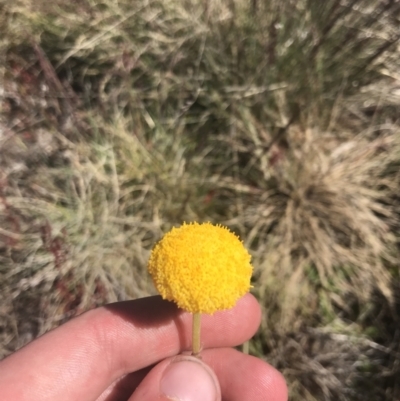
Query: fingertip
x=251 y=303
x=182 y=377
x=271 y=382
x=245 y=377
x=243 y=320
x=188 y=378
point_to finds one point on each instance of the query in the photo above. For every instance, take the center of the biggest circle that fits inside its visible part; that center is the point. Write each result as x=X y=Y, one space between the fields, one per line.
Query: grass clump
x=322 y=212
x=278 y=119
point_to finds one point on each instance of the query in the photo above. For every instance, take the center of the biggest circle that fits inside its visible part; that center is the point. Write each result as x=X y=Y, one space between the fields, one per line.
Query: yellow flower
x=203 y=268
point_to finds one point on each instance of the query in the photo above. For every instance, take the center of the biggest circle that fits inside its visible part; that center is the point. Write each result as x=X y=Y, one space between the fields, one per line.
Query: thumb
x=182 y=378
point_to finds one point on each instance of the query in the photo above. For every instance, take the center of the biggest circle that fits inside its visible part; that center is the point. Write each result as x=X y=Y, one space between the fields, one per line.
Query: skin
x=119 y=352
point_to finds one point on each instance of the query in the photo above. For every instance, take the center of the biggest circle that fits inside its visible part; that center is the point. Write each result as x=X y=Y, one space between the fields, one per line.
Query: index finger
x=80 y=359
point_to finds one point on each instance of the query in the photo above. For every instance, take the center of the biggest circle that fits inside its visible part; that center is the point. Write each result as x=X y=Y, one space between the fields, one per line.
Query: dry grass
x=278 y=119
x=322 y=364
x=319 y=219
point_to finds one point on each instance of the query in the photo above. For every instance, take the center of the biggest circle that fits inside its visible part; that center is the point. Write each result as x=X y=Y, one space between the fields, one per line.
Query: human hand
x=130 y=351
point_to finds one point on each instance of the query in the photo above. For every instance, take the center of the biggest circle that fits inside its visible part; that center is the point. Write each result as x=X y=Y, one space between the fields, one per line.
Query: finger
x=79 y=360
x=237 y=377
x=123 y=387
x=179 y=378
x=245 y=377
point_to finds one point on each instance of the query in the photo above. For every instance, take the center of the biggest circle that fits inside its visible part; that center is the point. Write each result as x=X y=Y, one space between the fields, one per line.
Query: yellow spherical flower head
x=203 y=268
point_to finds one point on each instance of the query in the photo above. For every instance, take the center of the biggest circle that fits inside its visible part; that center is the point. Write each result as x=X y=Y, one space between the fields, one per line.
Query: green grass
x=277 y=119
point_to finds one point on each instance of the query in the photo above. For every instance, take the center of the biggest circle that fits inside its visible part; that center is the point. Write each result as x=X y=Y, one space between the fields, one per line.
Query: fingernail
x=189 y=379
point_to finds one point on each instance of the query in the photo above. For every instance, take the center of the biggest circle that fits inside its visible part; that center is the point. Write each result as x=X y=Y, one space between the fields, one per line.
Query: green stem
x=196 y=346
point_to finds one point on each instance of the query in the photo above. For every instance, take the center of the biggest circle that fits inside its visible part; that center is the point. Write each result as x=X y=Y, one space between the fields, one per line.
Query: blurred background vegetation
x=278 y=119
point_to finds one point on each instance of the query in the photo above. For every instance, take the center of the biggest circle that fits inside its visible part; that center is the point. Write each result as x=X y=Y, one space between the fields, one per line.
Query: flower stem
x=196 y=346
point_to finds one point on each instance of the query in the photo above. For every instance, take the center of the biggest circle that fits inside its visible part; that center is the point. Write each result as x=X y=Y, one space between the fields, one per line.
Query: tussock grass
x=278 y=119
x=320 y=220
